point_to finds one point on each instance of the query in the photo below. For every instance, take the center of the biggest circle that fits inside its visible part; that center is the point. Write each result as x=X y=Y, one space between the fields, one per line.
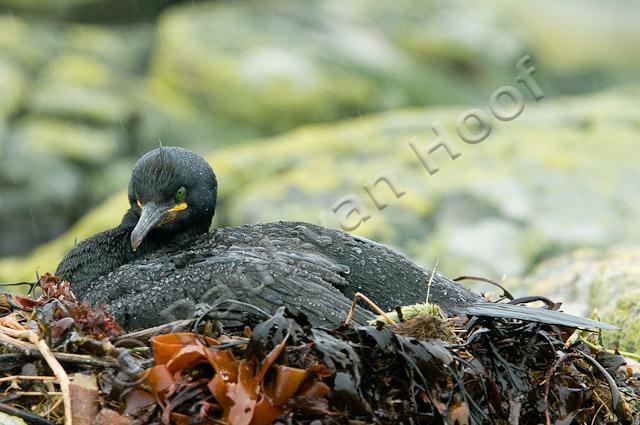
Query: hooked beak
x=153 y=215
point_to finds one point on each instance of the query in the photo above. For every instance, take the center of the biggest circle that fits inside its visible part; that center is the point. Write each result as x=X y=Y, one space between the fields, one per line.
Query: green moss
x=12 y=85
x=125 y=50
x=602 y=280
x=626 y=315
x=238 y=63
x=80 y=70
x=45 y=5
x=46 y=257
x=81 y=143
x=29 y=43
x=78 y=87
x=529 y=190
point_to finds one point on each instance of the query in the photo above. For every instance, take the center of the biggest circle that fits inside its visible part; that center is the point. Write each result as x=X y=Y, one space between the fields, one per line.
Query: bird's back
x=298 y=264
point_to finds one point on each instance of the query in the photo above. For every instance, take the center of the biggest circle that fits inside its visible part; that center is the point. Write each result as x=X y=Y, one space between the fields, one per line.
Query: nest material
x=280 y=369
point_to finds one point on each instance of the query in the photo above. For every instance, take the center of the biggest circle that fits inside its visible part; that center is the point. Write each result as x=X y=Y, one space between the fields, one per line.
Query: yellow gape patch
x=171 y=213
x=179 y=207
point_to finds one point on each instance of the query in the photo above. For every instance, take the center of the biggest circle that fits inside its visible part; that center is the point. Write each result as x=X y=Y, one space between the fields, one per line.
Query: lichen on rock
x=532 y=182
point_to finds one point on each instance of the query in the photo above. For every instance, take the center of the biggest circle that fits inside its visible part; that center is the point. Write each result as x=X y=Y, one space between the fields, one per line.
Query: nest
x=63 y=362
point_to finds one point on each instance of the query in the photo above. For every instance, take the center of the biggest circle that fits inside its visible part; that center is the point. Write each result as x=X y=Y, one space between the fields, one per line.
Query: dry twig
x=56 y=367
x=368 y=301
x=31 y=350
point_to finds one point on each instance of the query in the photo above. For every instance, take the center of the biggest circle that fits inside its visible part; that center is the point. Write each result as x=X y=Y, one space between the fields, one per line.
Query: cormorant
x=161 y=261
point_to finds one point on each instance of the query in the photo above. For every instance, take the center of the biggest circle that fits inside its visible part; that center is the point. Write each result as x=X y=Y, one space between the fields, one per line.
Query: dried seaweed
x=238 y=367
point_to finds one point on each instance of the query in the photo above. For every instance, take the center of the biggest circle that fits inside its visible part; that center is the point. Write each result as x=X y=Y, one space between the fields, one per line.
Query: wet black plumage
x=178 y=264
x=155 y=179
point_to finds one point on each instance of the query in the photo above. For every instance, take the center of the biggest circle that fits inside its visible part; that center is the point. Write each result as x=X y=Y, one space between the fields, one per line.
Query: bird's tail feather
x=520 y=312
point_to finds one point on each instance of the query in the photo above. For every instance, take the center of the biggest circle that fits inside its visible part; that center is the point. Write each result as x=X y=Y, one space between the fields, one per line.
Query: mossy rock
x=45 y=5
x=68 y=112
x=30 y=43
x=64 y=139
x=270 y=66
x=530 y=190
x=25 y=177
x=237 y=61
x=92 y=77
x=12 y=86
x=588 y=280
x=205 y=75
x=626 y=314
x=77 y=87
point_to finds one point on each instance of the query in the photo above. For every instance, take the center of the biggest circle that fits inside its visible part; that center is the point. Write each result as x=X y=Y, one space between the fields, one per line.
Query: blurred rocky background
x=299 y=103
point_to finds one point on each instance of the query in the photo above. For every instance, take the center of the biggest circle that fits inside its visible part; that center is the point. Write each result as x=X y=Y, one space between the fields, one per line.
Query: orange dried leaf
x=188 y=356
x=270 y=358
x=244 y=393
x=23 y=301
x=265 y=413
x=166 y=346
x=223 y=362
x=226 y=367
x=219 y=388
x=159 y=379
x=244 y=396
x=286 y=384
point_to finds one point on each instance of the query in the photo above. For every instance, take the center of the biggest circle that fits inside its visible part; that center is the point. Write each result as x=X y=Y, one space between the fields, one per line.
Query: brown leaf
x=219 y=389
x=315 y=390
x=23 y=301
x=179 y=419
x=84 y=398
x=138 y=401
x=59 y=327
x=110 y=417
x=224 y=363
x=265 y=413
x=166 y=346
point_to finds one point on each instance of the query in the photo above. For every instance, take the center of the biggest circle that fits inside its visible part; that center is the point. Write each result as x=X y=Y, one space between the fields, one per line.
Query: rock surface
x=66 y=119
x=88 y=85
x=533 y=182
x=587 y=280
x=6 y=419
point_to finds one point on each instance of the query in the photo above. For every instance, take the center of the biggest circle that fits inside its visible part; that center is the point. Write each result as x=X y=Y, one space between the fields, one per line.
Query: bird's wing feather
x=167 y=285
x=520 y=312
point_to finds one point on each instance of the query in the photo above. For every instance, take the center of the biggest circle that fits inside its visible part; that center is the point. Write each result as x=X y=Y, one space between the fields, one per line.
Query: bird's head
x=172 y=193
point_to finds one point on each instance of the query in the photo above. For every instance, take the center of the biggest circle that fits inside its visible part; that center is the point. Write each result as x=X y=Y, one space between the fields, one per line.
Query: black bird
x=161 y=262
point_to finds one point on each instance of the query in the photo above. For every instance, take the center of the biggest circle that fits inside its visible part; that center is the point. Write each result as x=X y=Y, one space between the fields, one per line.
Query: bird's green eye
x=181 y=194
